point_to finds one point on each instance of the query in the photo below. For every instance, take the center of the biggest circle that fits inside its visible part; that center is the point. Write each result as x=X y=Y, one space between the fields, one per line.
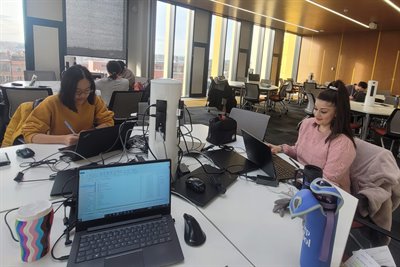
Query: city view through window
x=12 y=44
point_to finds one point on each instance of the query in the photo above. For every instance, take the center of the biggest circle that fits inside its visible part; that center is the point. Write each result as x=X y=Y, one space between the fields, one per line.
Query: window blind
x=96 y=28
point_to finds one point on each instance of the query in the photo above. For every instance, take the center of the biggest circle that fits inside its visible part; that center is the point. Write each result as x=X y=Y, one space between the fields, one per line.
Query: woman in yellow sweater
x=76 y=108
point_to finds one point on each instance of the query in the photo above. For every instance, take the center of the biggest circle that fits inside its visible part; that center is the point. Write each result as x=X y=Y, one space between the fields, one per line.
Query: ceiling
x=302 y=13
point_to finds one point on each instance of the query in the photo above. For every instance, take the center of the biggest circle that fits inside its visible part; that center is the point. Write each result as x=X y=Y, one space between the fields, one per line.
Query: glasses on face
x=86 y=91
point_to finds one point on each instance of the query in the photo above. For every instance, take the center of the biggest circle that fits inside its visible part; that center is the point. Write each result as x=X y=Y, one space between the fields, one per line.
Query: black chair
x=252 y=96
x=254 y=77
x=42 y=75
x=13 y=97
x=124 y=104
x=391 y=130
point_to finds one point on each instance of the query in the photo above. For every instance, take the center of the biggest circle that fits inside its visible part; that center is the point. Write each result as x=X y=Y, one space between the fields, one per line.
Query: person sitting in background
x=76 y=108
x=326 y=140
x=127 y=74
x=113 y=82
x=357 y=92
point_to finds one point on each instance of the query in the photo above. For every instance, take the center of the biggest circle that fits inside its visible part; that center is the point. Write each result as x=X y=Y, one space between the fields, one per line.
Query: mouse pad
x=211 y=178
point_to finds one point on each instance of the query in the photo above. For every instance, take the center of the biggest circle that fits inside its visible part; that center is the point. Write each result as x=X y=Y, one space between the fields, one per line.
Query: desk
x=244 y=215
x=379 y=109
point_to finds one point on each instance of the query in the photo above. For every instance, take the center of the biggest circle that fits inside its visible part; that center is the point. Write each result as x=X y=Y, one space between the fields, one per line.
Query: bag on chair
x=221 y=130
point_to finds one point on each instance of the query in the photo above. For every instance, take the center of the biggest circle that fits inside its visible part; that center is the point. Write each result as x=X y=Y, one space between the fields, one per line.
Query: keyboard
x=118 y=240
x=283 y=169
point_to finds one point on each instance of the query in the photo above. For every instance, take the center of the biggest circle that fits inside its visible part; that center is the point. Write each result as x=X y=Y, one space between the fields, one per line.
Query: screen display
x=120 y=190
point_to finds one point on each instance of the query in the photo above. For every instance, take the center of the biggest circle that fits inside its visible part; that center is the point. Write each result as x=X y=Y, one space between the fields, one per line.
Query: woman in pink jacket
x=326 y=140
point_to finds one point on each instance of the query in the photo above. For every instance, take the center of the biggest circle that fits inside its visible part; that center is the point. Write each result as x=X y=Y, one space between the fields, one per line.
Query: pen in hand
x=70 y=127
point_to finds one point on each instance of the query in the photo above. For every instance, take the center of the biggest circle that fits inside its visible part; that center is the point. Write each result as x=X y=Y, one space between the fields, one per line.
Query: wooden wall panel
x=351 y=58
x=388 y=54
x=319 y=55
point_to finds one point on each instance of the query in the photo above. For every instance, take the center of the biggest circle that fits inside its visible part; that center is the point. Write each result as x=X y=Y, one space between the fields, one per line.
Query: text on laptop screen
x=118 y=190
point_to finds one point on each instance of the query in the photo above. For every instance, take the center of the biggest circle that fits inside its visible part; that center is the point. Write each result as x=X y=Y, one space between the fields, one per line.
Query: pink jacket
x=334 y=157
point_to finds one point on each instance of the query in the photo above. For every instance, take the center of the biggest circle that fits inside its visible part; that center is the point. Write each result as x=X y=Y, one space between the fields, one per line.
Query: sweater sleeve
x=38 y=121
x=341 y=155
x=102 y=114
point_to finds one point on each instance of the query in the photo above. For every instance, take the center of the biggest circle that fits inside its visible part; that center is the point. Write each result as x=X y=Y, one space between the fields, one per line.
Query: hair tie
x=332 y=88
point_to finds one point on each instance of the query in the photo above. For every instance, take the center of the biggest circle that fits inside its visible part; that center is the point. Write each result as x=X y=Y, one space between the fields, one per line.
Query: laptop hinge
x=111 y=225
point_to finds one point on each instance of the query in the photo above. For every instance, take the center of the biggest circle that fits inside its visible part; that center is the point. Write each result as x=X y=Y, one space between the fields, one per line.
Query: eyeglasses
x=83 y=92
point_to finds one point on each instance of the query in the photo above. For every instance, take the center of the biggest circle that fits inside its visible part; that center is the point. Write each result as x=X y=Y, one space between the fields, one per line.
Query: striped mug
x=33 y=226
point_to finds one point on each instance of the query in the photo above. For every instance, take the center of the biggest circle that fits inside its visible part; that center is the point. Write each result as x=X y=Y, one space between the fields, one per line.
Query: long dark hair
x=69 y=82
x=337 y=94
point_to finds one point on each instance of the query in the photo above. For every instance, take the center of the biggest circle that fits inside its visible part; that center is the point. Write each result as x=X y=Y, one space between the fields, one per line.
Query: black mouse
x=196 y=184
x=25 y=153
x=194 y=235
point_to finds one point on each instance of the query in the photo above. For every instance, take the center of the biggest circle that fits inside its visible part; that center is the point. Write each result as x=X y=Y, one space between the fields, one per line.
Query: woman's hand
x=70 y=139
x=275 y=149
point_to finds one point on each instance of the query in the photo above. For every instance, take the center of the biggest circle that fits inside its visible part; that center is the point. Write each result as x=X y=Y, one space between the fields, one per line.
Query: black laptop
x=93 y=142
x=124 y=216
x=260 y=154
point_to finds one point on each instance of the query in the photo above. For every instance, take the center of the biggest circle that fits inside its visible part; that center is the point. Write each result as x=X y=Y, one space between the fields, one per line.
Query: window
x=261 y=51
x=96 y=28
x=12 y=42
x=231 y=49
x=98 y=65
x=290 y=56
x=161 y=37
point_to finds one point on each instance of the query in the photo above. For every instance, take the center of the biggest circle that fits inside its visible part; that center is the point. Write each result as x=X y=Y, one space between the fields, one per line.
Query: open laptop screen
x=108 y=192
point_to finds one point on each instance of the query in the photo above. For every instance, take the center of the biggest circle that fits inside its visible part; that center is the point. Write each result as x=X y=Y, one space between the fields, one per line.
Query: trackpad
x=127 y=259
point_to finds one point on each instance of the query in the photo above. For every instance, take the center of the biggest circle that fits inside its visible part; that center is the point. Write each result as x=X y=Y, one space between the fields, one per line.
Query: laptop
x=93 y=142
x=231 y=161
x=260 y=154
x=123 y=216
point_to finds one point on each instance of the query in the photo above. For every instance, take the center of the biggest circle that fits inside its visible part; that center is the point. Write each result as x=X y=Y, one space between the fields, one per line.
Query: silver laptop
x=123 y=216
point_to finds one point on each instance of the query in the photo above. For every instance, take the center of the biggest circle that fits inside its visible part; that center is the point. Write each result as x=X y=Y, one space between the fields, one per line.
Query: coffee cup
x=310 y=173
x=33 y=226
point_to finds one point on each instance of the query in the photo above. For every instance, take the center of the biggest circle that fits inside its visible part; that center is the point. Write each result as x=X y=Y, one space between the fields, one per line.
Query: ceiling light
x=390 y=3
x=339 y=14
x=262 y=15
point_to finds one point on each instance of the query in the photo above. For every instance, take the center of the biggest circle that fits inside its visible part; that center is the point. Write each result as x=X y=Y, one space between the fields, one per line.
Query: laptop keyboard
x=283 y=169
x=117 y=240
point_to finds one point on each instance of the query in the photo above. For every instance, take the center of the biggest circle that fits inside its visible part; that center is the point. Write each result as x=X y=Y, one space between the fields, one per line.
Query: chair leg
x=391 y=146
x=383 y=145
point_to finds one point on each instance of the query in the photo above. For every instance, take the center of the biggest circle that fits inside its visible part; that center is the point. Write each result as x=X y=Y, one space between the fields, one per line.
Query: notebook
x=93 y=142
x=123 y=216
x=260 y=154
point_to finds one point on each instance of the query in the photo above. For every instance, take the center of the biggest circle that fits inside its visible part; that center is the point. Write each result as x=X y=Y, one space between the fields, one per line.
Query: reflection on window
x=12 y=42
x=161 y=38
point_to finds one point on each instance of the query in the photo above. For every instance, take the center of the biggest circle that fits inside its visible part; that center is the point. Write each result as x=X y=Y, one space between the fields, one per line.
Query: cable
x=8 y=226
x=213 y=224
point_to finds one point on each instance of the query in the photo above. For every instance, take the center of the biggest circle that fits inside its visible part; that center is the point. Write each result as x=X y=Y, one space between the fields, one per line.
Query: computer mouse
x=194 y=235
x=25 y=153
x=196 y=184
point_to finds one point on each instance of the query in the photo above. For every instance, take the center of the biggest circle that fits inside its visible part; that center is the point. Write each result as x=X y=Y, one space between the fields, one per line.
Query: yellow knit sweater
x=49 y=117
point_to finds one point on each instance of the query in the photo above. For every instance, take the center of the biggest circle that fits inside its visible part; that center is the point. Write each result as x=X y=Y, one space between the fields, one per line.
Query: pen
x=295 y=163
x=69 y=127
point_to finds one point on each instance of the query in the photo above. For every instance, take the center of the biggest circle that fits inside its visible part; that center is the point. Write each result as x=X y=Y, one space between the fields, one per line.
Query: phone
x=4 y=160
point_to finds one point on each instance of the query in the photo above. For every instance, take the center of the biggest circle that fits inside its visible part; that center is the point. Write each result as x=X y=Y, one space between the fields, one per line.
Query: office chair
x=391 y=129
x=306 y=88
x=252 y=122
x=252 y=95
x=42 y=75
x=123 y=104
x=375 y=181
x=280 y=98
x=254 y=77
x=13 y=97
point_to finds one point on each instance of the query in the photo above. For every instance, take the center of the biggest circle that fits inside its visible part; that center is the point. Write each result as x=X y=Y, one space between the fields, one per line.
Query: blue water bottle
x=319 y=207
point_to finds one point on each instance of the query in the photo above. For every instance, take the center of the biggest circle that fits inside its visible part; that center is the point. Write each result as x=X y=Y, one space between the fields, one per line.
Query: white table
x=244 y=216
x=378 y=109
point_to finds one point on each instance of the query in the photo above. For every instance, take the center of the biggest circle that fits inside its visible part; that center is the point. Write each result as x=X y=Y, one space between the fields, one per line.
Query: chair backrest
x=309 y=86
x=265 y=82
x=289 y=86
x=42 y=75
x=393 y=123
x=254 y=77
x=13 y=97
x=309 y=110
x=252 y=91
x=283 y=90
x=124 y=103
x=390 y=99
x=253 y=122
